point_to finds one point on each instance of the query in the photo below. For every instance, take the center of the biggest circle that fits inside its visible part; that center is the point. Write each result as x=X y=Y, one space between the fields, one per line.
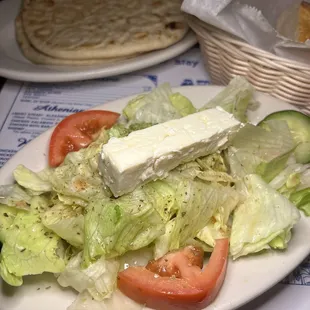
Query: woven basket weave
x=226 y=56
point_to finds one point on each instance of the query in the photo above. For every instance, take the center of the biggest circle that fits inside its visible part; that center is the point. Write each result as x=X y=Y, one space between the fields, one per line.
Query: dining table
x=18 y=99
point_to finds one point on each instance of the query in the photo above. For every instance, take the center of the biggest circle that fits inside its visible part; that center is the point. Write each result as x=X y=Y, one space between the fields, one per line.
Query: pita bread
x=80 y=29
x=37 y=57
x=304 y=22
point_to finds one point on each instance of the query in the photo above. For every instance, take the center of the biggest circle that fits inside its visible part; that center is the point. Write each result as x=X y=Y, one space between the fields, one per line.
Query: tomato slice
x=167 y=266
x=77 y=131
x=193 y=289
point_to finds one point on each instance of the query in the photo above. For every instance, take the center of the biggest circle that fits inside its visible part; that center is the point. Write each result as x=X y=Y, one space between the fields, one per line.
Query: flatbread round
x=88 y=29
x=37 y=57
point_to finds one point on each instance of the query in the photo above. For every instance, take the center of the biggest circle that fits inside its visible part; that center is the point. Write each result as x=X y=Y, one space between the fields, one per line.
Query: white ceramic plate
x=14 y=65
x=246 y=278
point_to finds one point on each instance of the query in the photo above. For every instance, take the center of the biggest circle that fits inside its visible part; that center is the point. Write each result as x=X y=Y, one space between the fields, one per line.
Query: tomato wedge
x=193 y=289
x=167 y=265
x=77 y=131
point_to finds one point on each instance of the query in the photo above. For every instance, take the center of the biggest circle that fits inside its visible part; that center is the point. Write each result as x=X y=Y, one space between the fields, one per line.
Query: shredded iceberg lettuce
x=115 y=226
x=28 y=247
x=120 y=130
x=99 y=279
x=65 y=221
x=15 y=196
x=301 y=199
x=261 y=151
x=197 y=202
x=262 y=217
x=236 y=98
x=30 y=180
x=158 y=106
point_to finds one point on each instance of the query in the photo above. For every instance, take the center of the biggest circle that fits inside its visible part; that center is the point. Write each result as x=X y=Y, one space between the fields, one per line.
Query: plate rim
x=120 y=102
x=95 y=71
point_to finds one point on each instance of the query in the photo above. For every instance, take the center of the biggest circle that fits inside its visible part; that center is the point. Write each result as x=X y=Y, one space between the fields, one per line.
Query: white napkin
x=268 y=25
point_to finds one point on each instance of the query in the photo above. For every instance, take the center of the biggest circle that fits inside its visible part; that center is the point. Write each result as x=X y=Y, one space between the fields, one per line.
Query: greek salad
x=131 y=206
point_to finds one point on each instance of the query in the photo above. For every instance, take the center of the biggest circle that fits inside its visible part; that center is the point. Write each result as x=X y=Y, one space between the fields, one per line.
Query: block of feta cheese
x=150 y=153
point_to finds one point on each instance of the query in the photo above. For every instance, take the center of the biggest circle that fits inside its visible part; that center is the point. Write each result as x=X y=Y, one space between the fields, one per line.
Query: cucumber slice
x=302 y=153
x=299 y=124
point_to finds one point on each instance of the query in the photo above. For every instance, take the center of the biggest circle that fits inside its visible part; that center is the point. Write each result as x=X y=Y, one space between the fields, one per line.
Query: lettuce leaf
x=262 y=217
x=211 y=232
x=28 y=247
x=158 y=106
x=162 y=196
x=294 y=183
x=235 y=98
x=7 y=216
x=304 y=178
x=115 y=226
x=67 y=222
x=258 y=150
x=14 y=196
x=79 y=181
x=213 y=162
x=99 y=279
x=262 y=143
x=76 y=180
x=120 y=130
x=31 y=180
x=219 y=225
x=182 y=104
x=202 y=190
x=269 y=170
x=289 y=177
x=210 y=168
x=197 y=202
x=301 y=199
x=162 y=243
x=241 y=162
x=7 y=276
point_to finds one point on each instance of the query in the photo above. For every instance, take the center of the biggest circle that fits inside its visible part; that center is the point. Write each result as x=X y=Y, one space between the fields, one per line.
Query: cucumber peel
x=299 y=125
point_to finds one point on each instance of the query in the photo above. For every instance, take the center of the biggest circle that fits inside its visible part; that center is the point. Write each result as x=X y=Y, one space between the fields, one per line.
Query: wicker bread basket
x=226 y=56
